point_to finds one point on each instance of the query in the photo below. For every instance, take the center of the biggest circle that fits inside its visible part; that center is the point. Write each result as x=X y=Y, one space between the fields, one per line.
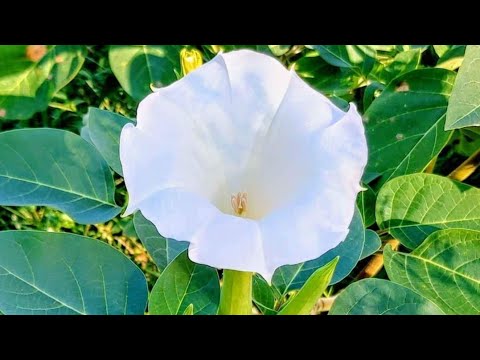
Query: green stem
x=236 y=296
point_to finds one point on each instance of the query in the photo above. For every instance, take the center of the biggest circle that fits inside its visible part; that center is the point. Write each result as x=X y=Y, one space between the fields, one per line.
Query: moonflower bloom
x=246 y=162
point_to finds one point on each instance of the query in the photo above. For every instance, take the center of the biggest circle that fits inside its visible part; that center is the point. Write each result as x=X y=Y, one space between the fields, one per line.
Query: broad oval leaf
x=304 y=301
x=404 y=125
x=59 y=169
x=138 y=68
x=27 y=83
x=185 y=283
x=413 y=206
x=444 y=269
x=162 y=250
x=292 y=277
x=59 y=273
x=464 y=106
x=381 y=297
x=104 y=128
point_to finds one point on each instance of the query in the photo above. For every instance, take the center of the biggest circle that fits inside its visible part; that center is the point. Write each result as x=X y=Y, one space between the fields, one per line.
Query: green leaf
x=381 y=297
x=59 y=273
x=263 y=295
x=414 y=206
x=27 y=86
x=366 y=205
x=464 y=107
x=402 y=63
x=185 y=283
x=372 y=244
x=347 y=56
x=444 y=269
x=59 y=169
x=404 y=125
x=104 y=128
x=139 y=67
x=162 y=250
x=324 y=77
x=304 y=301
x=292 y=277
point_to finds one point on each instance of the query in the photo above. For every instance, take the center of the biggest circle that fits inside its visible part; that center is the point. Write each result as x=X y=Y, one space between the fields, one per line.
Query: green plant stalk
x=236 y=294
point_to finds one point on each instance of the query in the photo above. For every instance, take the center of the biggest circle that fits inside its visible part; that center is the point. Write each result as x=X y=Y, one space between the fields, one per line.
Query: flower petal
x=178 y=213
x=230 y=242
x=168 y=147
x=326 y=155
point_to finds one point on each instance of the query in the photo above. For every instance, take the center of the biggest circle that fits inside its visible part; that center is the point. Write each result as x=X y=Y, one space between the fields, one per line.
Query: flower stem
x=236 y=296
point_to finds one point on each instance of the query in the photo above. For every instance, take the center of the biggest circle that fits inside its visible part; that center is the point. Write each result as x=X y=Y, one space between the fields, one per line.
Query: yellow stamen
x=239 y=203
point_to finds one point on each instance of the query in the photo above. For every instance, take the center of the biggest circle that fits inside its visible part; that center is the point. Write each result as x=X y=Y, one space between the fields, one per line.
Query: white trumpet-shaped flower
x=246 y=162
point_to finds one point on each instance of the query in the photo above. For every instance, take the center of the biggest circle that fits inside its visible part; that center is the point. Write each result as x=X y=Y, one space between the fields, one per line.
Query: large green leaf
x=464 y=106
x=139 y=67
x=404 y=125
x=444 y=269
x=104 y=128
x=412 y=207
x=381 y=297
x=292 y=277
x=183 y=283
x=60 y=273
x=59 y=169
x=304 y=301
x=162 y=250
x=26 y=85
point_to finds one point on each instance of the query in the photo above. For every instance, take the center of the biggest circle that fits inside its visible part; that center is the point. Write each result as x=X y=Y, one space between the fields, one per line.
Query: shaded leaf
x=59 y=169
x=59 y=273
x=184 y=283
